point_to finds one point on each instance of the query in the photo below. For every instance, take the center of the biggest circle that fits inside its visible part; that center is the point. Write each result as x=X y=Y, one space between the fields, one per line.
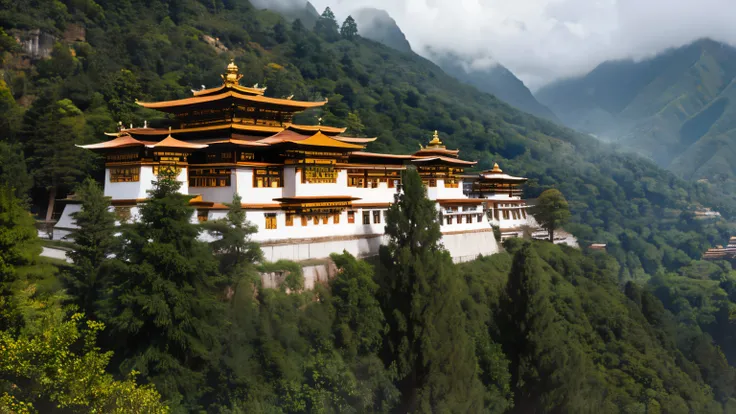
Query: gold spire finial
x=435 y=142
x=232 y=77
x=496 y=168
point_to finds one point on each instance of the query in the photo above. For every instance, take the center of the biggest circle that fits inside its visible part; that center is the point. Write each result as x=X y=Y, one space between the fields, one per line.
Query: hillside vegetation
x=645 y=326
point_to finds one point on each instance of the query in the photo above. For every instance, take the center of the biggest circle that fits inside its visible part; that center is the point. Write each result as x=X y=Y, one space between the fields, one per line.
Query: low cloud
x=544 y=40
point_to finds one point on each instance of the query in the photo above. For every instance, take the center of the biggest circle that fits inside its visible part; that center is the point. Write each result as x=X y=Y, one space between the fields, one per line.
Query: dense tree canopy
x=538 y=327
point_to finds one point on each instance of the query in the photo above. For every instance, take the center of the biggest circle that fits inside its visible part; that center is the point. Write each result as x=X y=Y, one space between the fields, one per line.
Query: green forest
x=155 y=320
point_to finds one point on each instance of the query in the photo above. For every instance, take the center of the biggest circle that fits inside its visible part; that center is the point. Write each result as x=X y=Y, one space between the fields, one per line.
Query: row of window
x=262 y=178
x=369 y=217
x=513 y=214
x=465 y=218
x=371 y=182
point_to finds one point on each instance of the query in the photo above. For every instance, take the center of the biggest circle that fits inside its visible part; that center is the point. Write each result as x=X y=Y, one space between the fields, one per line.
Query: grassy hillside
x=676 y=108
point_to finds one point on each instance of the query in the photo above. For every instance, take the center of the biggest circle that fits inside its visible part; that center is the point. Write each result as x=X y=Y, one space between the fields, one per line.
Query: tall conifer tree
x=427 y=345
x=94 y=240
x=19 y=247
x=233 y=244
x=547 y=370
x=162 y=310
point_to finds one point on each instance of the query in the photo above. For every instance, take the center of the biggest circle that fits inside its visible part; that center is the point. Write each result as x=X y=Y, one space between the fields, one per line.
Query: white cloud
x=544 y=40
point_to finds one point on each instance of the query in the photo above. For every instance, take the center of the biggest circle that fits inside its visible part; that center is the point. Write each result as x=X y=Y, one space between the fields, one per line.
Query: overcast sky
x=544 y=40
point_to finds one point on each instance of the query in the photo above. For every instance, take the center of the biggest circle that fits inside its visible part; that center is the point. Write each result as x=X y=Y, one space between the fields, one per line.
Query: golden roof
x=171 y=142
x=298 y=105
x=317 y=128
x=440 y=158
x=321 y=140
x=122 y=140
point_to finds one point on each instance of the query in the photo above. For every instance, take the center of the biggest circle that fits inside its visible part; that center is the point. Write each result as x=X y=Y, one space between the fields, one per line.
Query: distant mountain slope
x=677 y=108
x=378 y=25
x=291 y=10
x=497 y=80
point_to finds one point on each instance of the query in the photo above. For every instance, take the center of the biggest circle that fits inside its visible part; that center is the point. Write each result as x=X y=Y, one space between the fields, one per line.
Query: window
x=316 y=220
x=523 y=212
x=469 y=219
x=165 y=169
x=245 y=156
x=376 y=216
x=289 y=219
x=366 y=217
x=319 y=174
x=351 y=217
x=270 y=221
x=325 y=219
x=505 y=214
x=305 y=219
x=459 y=219
x=355 y=181
x=209 y=177
x=125 y=175
x=336 y=220
x=202 y=215
x=449 y=220
x=451 y=183
x=268 y=177
x=480 y=218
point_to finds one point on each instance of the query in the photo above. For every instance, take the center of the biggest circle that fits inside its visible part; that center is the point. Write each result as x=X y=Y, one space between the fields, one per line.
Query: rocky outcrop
x=35 y=43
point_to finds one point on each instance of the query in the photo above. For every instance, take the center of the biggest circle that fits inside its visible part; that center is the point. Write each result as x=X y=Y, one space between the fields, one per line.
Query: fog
x=544 y=40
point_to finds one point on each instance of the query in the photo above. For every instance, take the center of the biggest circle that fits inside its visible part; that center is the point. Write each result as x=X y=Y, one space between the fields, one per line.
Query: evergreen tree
x=10 y=112
x=551 y=211
x=349 y=29
x=326 y=26
x=13 y=170
x=94 y=241
x=232 y=241
x=56 y=163
x=359 y=322
x=162 y=308
x=547 y=373
x=427 y=345
x=19 y=247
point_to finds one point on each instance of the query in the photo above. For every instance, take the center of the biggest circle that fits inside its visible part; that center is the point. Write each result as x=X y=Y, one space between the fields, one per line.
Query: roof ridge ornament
x=435 y=142
x=232 y=77
x=496 y=168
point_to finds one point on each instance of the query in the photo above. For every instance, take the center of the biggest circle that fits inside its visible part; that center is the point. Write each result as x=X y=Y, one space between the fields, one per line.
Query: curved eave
x=173 y=143
x=428 y=152
x=125 y=141
x=198 y=100
x=238 y=127
x=453 y=161
x=356 y=140
x=244 y=89
x=321 y=140
x=378 y=155
x=239 y=142
x=502 y=177
x=317 y=128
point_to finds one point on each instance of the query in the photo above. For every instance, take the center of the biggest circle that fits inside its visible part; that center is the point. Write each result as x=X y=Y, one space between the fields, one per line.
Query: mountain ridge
x=496 y=79
x=672 y=107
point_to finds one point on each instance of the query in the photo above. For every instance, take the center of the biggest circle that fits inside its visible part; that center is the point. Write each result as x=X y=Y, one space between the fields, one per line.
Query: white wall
x=307 y=189
x=139 y=189
x=465 y=247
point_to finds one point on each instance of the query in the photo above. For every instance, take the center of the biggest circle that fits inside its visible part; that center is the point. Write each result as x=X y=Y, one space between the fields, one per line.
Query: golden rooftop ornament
x=232 y=77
